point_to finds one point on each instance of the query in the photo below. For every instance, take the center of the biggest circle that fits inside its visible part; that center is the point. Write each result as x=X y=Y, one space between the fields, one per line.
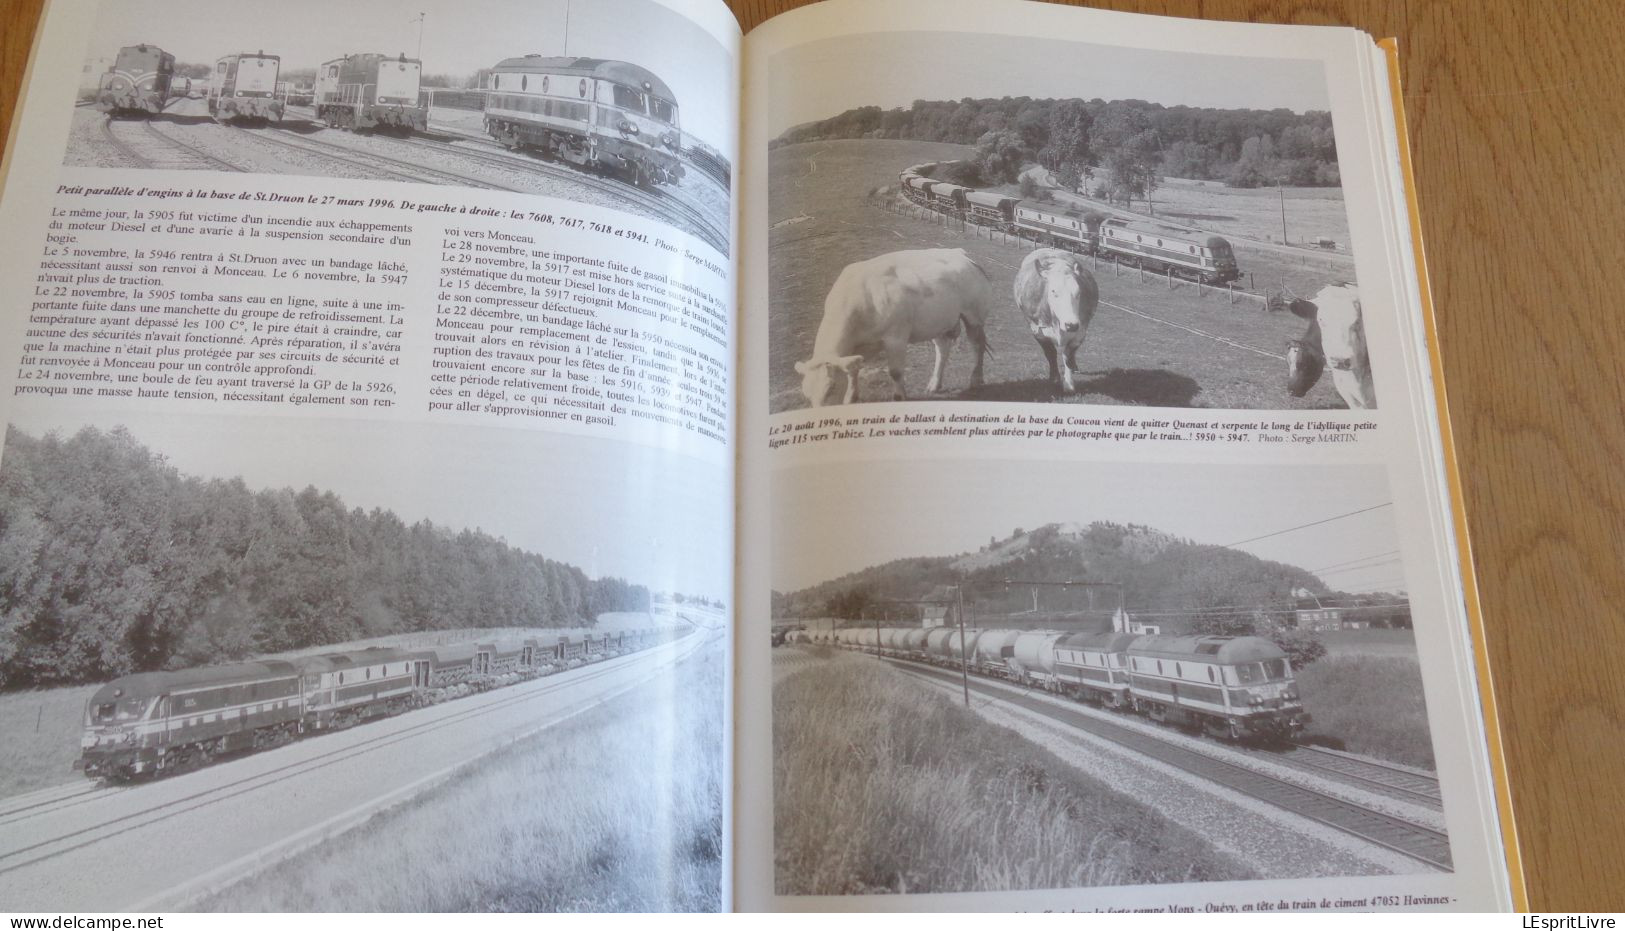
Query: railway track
x=180 y=154
x=659 y=202
x=1422 y=843
x=63 y=842
x=1398 y=782
x=54 y=799
x=376 y=164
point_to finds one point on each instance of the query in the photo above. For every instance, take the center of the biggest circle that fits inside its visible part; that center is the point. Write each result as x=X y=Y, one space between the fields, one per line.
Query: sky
x=611 y=509
x=459 y=37
x=893 y=69
x=874 y=512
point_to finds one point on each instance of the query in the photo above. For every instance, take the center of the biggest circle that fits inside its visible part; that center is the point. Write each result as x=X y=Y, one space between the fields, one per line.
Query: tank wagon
x=138 y=82
x=594 y=113
x=369 y=91
x=244 y=88
x=151 y=723
x=1233 y=688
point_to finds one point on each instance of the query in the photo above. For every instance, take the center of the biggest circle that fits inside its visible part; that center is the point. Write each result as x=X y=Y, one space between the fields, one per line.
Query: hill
x=1159 y=573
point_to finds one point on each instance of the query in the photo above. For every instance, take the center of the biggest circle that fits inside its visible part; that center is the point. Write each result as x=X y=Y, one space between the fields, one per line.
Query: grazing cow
x=885 y=303
x=1335 y=337
x=1059 y=297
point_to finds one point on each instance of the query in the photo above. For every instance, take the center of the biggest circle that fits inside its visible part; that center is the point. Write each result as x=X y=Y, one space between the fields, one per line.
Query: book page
x=1095 y=552
x=366 y=498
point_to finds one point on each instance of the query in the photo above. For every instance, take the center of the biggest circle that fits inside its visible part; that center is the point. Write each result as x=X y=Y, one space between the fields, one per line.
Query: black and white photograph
x=288 y=664
x=978 y=217
x=621 y=104
x=1100 y=675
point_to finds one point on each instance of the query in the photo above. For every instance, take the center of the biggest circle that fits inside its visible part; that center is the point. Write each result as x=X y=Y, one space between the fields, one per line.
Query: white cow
x=1058 y=296
x=885 y=303
x=1336 y=337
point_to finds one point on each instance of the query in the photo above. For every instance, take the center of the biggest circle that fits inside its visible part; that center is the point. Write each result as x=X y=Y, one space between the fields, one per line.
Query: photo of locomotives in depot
x=155 y=723
x=593 y=130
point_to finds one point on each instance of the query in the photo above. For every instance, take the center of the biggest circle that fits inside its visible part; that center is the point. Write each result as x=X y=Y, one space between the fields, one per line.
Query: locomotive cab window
x=629 y=99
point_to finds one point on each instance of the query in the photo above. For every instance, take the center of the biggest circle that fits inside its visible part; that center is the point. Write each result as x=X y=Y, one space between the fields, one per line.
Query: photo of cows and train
x=1097 y=703
x=264 y=681
x=1008 y=222
x=596 y=130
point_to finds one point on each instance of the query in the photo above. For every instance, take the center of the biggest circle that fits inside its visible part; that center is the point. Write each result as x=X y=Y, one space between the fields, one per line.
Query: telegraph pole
x=1282 y=191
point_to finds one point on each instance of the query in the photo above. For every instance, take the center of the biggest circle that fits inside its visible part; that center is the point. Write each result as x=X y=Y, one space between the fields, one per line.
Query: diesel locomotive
x=152 y=723
x=369 y=91
x=1209 y=259
x=243 y=88
x=138 y=83
x=593 y=113
x=1233 y=688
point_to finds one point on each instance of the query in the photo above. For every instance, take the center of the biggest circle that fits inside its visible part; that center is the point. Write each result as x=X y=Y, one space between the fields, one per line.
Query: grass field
x=823 y=220
x=619 y=809
x=884 y=786
x=1369 y=704
x=42 y=728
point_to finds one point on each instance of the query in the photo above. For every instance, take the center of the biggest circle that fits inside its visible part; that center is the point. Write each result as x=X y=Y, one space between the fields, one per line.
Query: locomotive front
x=118 y=739
x=1233 y=687
x=637 y=122
x=138 y=81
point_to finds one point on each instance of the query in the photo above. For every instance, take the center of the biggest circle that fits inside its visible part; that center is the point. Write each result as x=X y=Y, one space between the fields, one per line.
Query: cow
x=1058 y=296
x=885 y=303
x=1335 y=337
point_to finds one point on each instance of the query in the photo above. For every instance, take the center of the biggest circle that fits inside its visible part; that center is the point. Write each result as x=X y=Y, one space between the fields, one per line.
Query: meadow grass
x=1127 y=359
x=42 y=728
x=882 y=785
x=1369 y=704
x=618 y=809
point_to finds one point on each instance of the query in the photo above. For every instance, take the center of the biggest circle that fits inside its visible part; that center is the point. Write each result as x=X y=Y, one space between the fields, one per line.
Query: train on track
x=1233 y=688
x=152 y=723
x=138 y=83
x=369 y=91
x=594 y=113
x=1209 y=259
x=243 y=88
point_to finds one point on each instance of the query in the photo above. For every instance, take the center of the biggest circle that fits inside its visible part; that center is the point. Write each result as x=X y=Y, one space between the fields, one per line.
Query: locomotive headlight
x=628 y=128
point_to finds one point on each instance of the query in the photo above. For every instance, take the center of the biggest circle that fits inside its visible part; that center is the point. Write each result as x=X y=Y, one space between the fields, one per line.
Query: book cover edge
x=1452 y=468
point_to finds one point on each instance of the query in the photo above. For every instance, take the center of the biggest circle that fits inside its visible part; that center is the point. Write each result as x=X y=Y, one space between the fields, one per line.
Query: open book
x=506 y=455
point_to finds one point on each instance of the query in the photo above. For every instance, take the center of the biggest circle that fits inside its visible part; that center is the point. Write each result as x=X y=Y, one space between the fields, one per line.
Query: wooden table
x=1517 y=123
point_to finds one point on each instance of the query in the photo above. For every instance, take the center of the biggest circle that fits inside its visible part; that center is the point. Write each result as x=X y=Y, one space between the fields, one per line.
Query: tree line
x=1118 y=148
x=113 y=561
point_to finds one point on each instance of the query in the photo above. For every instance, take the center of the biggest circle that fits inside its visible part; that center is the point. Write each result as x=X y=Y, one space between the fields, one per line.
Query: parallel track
x=377 y=164
x=1420 y=842
x=125 y=150
x=1396 y=781
x=196 y=152
x=196 y=157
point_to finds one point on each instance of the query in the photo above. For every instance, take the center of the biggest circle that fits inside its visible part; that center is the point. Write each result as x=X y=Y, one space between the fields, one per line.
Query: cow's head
x=1053 y=295
x=822 y=378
